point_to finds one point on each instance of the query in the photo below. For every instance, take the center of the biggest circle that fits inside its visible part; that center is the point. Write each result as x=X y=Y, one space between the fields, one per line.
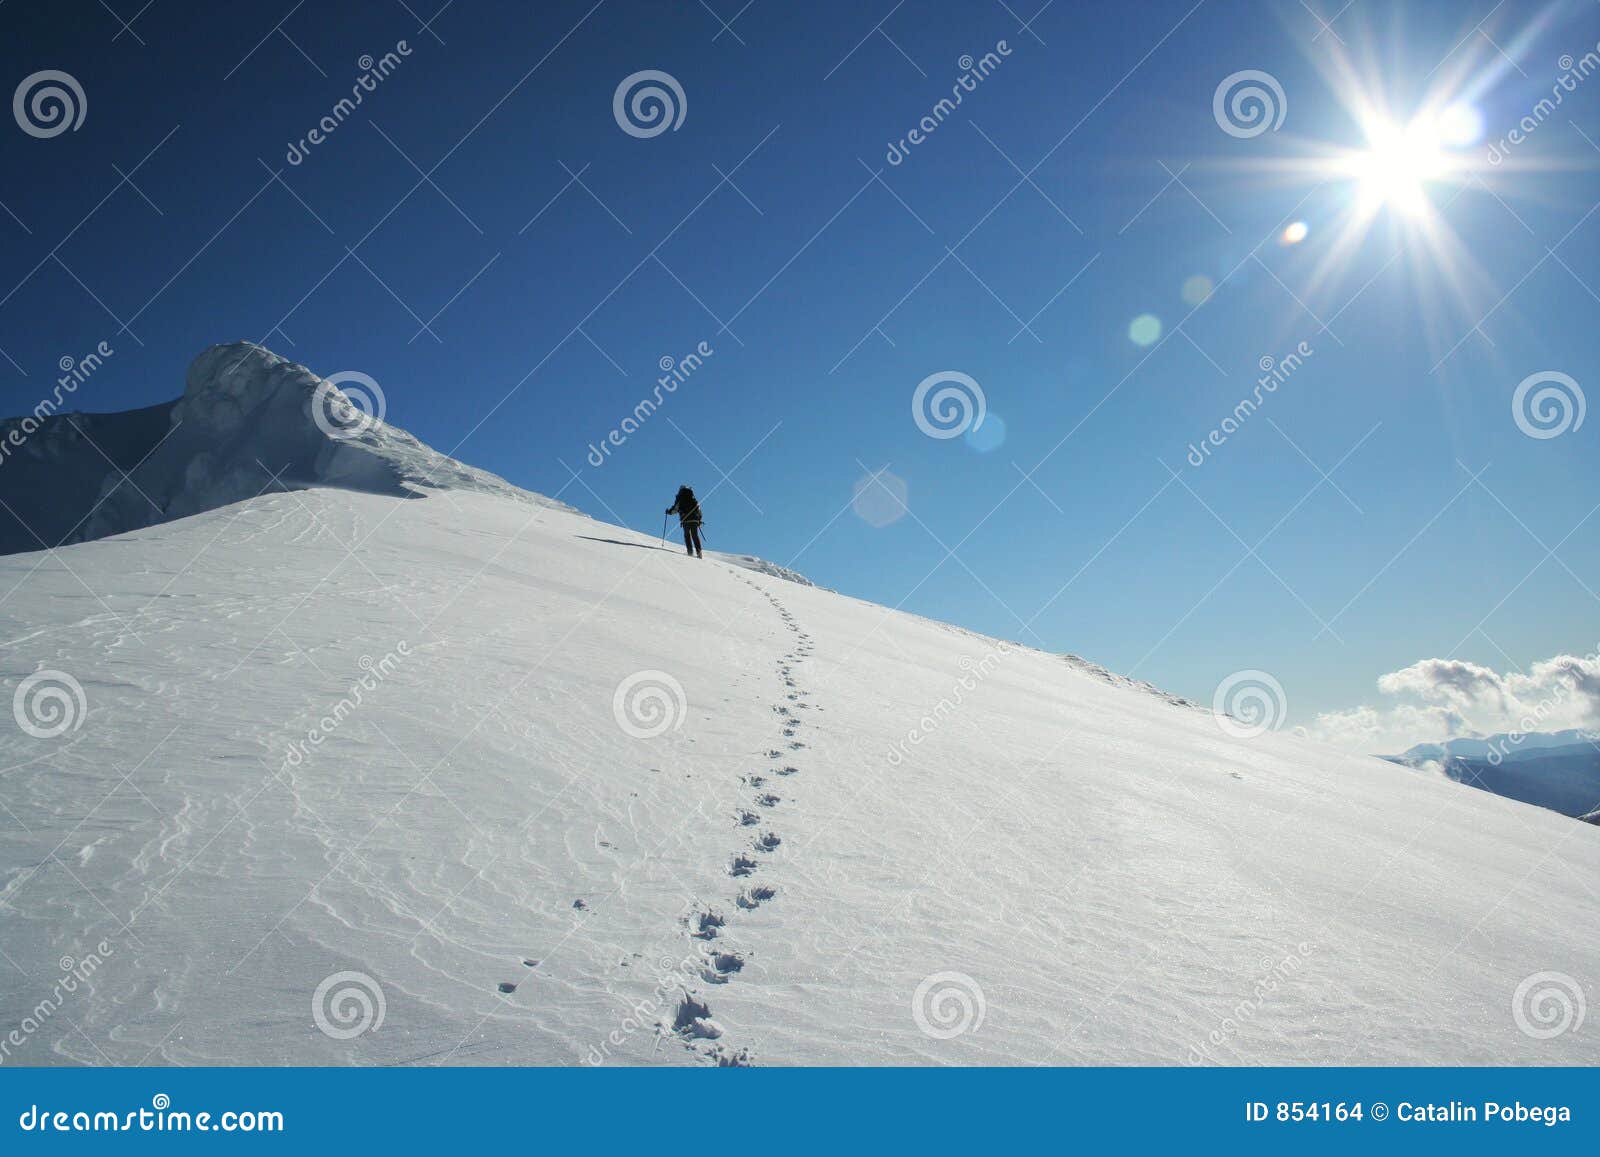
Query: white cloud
x=1438 y=699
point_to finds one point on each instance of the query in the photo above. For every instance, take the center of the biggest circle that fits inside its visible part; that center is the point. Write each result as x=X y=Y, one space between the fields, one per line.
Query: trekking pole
x=664 y=532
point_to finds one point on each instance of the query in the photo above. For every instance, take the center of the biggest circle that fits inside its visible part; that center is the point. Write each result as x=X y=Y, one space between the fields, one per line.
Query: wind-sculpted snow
x=512 y=786
x=248 y=422
x=762 y=566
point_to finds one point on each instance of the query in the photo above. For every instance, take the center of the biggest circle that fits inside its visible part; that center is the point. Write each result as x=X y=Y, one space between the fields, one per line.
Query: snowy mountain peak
x=248 y=422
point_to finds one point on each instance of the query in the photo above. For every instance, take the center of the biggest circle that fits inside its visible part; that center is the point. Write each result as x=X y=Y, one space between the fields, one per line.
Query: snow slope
x=336 y=745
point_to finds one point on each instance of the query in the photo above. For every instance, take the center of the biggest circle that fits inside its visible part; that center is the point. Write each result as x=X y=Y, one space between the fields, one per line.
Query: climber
x=687 y=508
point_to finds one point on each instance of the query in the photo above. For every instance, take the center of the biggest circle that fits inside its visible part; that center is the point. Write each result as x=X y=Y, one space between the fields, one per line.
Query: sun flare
x=1398 y=165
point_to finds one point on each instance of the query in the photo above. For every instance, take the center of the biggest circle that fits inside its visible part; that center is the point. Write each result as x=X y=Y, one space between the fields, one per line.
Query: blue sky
x=485 y=188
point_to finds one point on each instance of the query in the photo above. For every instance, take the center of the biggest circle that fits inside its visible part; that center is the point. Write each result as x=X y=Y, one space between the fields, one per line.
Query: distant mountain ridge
x=248 y=422
x=1500 y=747
x=1559 y=770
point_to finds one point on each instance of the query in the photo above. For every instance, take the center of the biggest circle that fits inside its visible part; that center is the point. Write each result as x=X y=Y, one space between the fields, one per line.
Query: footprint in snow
x=755 y=897
x=769 y=800
x=721 y=966
x=507 y=986
x=706 y=925
x=741 y=866
x=692 y=1018
x=748 y=819
x=788 y=770
x=768 y=842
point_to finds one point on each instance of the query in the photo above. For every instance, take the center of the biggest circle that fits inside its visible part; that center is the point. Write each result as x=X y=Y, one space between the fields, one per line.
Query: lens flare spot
x=989 y=436
x=1198 y=289
x=880 y=498
x=1460 y=126
x=1144 y=330
x=1294 y=233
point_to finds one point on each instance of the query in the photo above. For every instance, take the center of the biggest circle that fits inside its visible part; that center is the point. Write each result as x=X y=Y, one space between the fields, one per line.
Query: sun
x=1398 y=164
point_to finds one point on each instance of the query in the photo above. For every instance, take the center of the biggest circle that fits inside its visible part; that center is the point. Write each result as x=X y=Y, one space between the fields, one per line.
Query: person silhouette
x=687 y=507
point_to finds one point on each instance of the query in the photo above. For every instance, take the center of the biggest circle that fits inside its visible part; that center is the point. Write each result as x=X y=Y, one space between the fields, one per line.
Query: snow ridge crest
x=248 y=422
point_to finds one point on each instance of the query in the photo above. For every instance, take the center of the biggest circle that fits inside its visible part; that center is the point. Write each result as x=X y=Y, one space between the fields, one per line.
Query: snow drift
x=329 y=775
